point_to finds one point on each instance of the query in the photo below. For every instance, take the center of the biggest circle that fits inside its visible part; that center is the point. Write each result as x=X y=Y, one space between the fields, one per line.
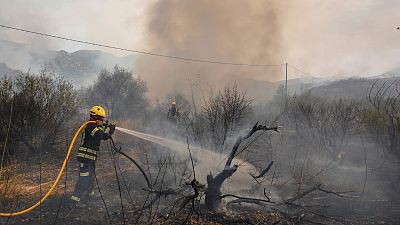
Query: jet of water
x=206 y=160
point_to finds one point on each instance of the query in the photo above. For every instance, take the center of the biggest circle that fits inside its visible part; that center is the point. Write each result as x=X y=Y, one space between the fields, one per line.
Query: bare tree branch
x=255 y=128
x=264 y=171
x=302 y=194
x=240 y=199
x=318 y=187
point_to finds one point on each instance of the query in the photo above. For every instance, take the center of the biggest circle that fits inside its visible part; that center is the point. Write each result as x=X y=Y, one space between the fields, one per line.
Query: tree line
x=40 y=110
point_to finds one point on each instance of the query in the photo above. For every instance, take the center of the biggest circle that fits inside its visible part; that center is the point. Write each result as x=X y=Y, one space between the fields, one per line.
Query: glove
x=112 y=129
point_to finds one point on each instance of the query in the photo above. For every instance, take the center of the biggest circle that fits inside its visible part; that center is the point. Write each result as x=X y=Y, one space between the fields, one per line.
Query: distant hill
x=80 y=66
x=350 y=88
x=263 y=91
x=5 y=70
x=391 y=74
x=84 y=66
x=299 y=85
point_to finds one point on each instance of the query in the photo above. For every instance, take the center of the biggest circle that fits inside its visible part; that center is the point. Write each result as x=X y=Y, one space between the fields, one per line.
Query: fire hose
x=55 y=181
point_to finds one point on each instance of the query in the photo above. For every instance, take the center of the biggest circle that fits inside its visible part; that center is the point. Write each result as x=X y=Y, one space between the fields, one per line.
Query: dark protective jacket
x=90 y=143
x=173 y=112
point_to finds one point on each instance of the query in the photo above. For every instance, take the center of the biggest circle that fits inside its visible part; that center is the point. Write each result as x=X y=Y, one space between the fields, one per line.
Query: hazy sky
x=322 y=37
x=116 y=22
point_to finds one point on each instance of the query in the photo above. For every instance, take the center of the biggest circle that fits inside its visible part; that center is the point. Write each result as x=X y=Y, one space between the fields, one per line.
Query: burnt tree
x=213 y=194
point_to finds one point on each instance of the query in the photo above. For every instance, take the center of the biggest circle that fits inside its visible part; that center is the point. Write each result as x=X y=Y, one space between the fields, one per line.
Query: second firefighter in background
x=92 y=136
x=173 y=113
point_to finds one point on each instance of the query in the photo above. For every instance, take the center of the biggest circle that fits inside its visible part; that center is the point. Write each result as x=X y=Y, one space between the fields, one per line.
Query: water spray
x=181 y=147
x=206 y=160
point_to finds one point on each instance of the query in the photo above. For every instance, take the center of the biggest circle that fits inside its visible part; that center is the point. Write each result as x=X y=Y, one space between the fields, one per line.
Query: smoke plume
x=235 y=31
x=324 y=39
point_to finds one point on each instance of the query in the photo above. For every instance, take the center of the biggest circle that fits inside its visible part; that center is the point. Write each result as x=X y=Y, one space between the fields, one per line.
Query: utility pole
x=286 y=82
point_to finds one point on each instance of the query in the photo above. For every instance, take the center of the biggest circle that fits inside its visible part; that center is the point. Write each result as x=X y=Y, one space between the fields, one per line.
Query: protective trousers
x=84 y=185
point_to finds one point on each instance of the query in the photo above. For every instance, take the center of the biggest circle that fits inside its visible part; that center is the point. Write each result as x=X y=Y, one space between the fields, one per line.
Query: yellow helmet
x=173 y=103
x=97 y=111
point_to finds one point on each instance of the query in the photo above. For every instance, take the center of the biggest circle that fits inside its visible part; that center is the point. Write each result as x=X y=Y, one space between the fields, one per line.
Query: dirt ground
x=24 y=189
x=56 y=210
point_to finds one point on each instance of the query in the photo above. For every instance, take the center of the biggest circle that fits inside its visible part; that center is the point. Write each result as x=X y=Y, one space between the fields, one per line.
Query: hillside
x=350 y=88
x=80 y=66
x=83 y=66
x=5 y=70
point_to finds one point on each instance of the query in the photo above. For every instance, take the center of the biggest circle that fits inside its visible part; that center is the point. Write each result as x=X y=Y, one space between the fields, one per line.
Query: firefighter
x=173 y=113
x=93 y=134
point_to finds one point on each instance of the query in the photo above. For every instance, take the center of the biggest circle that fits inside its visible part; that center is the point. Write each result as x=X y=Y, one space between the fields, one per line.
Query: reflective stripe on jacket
x=90 y=143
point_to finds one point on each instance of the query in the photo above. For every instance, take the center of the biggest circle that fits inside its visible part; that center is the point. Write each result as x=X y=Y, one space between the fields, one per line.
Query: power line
x=301 y=71
x=139 y=52
x=320 y=76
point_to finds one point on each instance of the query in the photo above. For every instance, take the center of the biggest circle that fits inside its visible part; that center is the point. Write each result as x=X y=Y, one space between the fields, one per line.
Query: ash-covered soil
x=24 y=189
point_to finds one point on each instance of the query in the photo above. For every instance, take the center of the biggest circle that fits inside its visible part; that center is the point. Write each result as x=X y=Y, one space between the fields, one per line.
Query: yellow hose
x=57 y=179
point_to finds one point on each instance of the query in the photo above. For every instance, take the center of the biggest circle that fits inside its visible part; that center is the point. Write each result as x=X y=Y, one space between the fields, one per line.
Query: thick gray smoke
x=235 y=31
x=323 y=38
